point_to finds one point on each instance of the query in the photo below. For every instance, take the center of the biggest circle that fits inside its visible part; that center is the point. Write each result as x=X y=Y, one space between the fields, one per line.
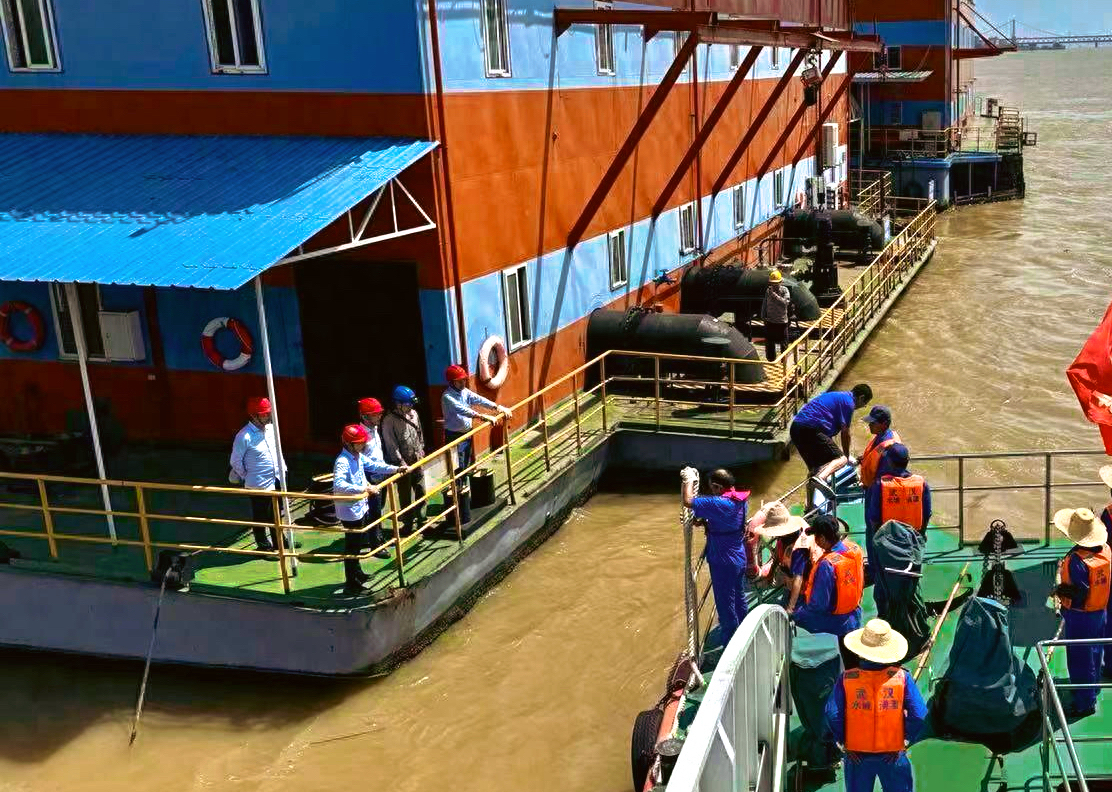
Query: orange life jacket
x=1100 y=572
x=783 y=554
x=849 y=578
x=874 y=710
x=870 y=460
x=902 y=499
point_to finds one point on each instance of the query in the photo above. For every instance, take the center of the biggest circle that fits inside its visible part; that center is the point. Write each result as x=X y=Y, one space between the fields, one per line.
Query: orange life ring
x=33 y=317
x=493 y=374
x=246 y=344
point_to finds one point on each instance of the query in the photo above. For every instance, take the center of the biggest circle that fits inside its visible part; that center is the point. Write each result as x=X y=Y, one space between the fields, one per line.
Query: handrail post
x=1046 y=498
x=961 y=501
x=144 y=526
x=509 y=467
x=656 y=384
x=602 y=389
x=280 y=540
x=450 y=466
x=399 y=556
x=730 y=398
x=544 y=432
x=47 y=519
x=575 y=403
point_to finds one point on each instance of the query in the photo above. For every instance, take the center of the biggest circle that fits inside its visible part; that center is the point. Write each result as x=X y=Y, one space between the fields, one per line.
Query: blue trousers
x=1083 y=661
x=1107 y=649
x=727 y=579
x=893 y=770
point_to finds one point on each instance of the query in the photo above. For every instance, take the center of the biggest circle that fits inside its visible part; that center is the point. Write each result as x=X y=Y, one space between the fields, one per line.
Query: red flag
x=1090 y=375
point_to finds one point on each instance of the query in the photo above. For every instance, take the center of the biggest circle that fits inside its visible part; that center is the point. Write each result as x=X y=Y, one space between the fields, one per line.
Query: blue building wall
x=323 y=45
x=911 y=113
x=914 y=33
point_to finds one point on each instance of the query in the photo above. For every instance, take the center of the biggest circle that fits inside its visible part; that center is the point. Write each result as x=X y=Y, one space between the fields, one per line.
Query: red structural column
x=755 y=127
x=652 y=107
x=794 y=122
x=705 y=131
x=843 y=86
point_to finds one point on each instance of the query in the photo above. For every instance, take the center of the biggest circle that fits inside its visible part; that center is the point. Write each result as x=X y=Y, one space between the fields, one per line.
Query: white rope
x=688 y=476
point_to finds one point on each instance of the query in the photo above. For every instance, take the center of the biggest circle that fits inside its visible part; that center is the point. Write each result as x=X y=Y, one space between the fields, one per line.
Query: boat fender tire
x=493 y=374
x=246 y=344
x=642 y=747
x=33 y=317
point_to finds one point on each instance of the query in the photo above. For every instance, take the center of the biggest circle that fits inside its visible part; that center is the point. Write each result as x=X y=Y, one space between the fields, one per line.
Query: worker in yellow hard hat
x=775 y=313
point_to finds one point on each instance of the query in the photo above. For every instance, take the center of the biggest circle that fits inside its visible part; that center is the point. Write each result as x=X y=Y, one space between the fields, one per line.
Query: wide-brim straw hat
x=1105 y=474
x=878 y=642
x=1081 y=526
x=779 y=522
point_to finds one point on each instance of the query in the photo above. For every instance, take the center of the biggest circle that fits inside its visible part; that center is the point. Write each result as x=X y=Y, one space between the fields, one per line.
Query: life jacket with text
x=874 y=710
x=849 y=577
x=1099 y=565
x=870 y=460
x=902 y=499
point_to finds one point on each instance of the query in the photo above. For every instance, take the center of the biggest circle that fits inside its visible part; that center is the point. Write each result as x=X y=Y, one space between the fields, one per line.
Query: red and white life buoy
x=493 y=374
x=33 y=317
x=208 y=343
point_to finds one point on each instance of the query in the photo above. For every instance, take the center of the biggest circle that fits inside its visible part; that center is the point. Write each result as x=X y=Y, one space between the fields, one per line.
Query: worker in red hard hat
x=374 y=465
x=457 y=405
x=349 y=478
x=254 y=463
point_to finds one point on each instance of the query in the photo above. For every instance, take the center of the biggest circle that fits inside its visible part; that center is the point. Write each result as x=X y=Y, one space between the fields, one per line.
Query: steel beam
x=654 y=20
x=706 y=129
x=644 y=120
x=843 y=86
x=794 y=122
x=755 y=127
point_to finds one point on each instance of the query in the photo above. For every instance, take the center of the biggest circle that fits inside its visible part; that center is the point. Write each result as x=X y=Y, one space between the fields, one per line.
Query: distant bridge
x=1027 y=42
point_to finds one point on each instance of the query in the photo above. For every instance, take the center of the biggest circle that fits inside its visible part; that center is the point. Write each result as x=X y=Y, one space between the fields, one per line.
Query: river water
x=536 y=688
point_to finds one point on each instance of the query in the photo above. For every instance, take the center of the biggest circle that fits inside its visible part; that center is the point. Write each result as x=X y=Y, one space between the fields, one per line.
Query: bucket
x=464 y=507
x=482 y=488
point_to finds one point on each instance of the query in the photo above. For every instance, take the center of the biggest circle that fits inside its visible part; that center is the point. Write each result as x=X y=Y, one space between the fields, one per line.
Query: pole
x=82 y=360
x=264 y=336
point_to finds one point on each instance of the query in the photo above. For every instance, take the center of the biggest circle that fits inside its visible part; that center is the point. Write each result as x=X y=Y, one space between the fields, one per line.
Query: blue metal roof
x=204 y=211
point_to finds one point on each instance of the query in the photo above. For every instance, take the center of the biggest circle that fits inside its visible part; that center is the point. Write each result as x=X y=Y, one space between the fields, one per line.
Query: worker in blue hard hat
x=403 y=443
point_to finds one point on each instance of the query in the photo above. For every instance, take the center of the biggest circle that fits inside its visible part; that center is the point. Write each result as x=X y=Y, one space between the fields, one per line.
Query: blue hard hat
x=404 y=395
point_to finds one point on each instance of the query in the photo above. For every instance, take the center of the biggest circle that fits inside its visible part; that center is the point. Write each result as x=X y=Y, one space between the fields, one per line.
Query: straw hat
x=877 y=641
x=1105 y=474
x=779 y=521
x=1081 y=526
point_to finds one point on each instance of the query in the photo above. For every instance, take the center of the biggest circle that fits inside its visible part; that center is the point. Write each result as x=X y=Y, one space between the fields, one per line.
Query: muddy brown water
x=536 y=688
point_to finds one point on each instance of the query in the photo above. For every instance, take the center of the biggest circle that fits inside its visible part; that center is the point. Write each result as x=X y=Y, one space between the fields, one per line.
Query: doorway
x=361 y=335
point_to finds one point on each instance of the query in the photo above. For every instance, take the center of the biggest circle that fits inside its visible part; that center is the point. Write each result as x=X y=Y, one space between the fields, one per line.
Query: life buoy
x=33 y=317
x=493 y=375
x=208 y=343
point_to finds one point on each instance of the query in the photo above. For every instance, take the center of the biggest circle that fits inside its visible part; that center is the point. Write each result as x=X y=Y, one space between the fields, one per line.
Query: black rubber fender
x=642 y=746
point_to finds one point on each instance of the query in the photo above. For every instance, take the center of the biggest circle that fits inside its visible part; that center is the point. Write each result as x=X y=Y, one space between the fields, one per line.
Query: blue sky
x=1058 y=16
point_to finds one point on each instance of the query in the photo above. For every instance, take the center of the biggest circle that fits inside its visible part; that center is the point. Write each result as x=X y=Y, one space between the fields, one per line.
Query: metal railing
x=1052 y=708
x=869 y=190
x=959 y=469
x=738 y=740
x=549 y=430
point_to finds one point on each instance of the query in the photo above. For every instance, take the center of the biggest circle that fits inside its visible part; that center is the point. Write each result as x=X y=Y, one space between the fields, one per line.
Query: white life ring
x=501 y=367
x=208 y=343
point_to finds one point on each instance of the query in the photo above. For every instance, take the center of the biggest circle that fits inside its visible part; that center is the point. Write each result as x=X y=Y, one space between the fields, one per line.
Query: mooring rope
x=690 y=583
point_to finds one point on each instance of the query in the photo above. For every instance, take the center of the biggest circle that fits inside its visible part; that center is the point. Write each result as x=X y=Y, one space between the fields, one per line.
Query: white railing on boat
x=738 y=740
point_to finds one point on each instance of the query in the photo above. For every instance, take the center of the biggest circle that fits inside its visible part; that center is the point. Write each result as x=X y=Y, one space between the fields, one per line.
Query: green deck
x=948 y=766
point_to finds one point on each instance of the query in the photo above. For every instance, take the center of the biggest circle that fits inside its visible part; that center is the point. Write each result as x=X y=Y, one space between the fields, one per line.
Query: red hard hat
x=455 y=372
x=369 y=407
x=355 y=433
x=258 y=405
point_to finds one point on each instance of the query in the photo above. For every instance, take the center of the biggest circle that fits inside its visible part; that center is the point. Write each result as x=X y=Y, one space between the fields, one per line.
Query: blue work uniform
x=1082 y=661
x=829 y=412
x=725 y=518
x=816 y=614
x=456 y=406
x=873 y=521
x=1106 y=518
x=893 y=769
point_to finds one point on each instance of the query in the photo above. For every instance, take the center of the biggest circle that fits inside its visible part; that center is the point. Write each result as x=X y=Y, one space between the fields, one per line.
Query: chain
x=996 y=561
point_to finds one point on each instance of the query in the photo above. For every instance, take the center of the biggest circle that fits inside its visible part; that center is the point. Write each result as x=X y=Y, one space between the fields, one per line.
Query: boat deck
x=943 y=765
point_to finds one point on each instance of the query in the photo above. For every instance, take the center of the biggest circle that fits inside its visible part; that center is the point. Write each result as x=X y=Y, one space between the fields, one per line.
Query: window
x=893 y=113
x=739 y=206
x=88 y=308
x=735 y=57
x=775 y=55
x=515 y=292
x=29 y=35
x=496 y=38
x=235 y=36
x=678 y=40
x=604 y=45
x=889 y=58
x=687 y=228
x=616 y=253
x=778 y=189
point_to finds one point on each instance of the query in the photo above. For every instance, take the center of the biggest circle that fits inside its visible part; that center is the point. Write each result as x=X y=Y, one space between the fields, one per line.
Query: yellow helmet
x=775 y=276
